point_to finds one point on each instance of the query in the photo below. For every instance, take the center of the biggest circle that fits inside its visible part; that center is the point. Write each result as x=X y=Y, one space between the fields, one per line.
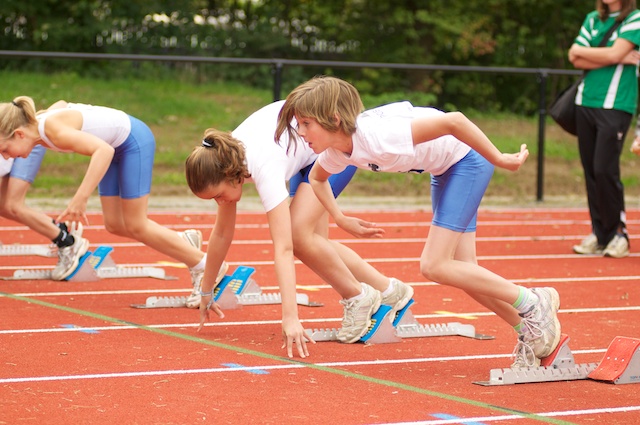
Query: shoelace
x=349 y=313
x=531 y=326
x=522 y=353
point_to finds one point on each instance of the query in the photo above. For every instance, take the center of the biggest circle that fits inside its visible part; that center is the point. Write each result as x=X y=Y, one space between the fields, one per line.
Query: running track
x=75 y=352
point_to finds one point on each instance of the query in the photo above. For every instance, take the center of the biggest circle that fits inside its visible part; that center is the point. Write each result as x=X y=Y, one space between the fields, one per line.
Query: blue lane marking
x=85 y=330
x=238 y=366
x=451 y=417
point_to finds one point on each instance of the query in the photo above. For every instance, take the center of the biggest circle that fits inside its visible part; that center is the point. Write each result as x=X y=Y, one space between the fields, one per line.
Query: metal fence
x=542 y=75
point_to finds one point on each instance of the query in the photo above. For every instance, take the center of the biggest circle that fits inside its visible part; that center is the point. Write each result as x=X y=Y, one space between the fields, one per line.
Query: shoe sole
x=83 y=250
x=372 y=310
x=555 y=297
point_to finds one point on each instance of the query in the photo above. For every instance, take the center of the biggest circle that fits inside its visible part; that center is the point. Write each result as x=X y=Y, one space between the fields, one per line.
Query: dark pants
x=601 y=134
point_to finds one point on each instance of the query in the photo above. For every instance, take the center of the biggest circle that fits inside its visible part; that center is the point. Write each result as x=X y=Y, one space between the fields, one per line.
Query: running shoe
x=400 y=295
x=69 y=256
x=618 y=247
x=194 y=237
x=357 y=314
x=540 y=325
x=523 y=355
x=589 y=245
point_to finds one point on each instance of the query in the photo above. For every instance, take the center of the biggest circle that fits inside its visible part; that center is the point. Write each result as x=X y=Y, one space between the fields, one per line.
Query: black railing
x=278 y=65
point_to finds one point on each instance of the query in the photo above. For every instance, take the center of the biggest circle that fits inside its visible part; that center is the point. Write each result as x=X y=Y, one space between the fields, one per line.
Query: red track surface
x=74 y=352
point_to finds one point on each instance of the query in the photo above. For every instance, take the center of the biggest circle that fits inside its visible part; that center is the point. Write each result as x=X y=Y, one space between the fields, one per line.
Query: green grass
x=178 y=112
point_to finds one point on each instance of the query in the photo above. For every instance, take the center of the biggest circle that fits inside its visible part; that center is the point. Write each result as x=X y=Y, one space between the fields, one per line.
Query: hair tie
x=206 y=143
x=14 y=103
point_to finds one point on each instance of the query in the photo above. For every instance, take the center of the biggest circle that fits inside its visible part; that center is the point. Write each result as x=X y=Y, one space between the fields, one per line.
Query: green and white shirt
x=613 y=86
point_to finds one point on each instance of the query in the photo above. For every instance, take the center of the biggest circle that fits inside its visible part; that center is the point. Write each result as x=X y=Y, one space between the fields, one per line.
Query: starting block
x=28 y=249
x=620 y=365
x=94 y=266
x=384 y=330
x=233 y=292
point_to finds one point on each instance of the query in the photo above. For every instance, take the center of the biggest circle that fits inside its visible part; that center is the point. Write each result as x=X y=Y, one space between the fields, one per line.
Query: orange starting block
x=620 y=365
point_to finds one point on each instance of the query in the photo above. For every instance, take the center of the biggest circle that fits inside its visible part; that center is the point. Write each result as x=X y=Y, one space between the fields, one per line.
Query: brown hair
x=324 y=99
x=221 y=158
x=626 y=7
x=20 y=112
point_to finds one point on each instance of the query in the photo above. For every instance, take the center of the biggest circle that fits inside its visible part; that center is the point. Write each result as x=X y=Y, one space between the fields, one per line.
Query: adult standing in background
x=606 y=102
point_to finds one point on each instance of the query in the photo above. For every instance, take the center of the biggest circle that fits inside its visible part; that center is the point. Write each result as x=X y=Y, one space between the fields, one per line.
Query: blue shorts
x=129 y=175
x=337 y=181
x=456 y=194
x=27 y=168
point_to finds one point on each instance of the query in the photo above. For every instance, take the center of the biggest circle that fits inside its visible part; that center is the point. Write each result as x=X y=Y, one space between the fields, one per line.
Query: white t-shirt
x=5 y=166
x=383 y=142
x=269 y=164
x=111 y=125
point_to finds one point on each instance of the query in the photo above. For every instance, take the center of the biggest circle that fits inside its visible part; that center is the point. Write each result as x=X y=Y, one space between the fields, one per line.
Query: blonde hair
x=221 y=158
x=324 y=99
x=20 y=112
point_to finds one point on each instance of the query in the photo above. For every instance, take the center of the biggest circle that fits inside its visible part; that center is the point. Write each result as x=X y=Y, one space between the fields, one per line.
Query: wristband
x=206 y=294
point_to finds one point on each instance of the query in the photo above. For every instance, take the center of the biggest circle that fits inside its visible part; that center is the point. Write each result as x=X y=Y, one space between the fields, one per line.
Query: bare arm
x=583 y=57
x=219 y=243
x=459 y=126
x=64 y=131
x=319 y=180
x=280 y=228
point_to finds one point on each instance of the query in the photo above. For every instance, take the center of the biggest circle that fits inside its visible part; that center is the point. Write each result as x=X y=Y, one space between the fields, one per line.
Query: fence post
x=542 y=107
x=277 y=80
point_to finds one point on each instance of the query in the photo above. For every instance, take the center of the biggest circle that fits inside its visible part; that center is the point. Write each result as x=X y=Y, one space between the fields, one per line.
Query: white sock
x=389 y=289
x=200 y=266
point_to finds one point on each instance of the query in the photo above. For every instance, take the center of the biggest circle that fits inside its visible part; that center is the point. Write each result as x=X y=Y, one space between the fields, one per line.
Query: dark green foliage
x=496 y=33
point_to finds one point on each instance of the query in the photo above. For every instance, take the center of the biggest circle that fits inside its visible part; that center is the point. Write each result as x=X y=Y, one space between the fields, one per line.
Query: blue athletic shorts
x=456 y=194
x=27 y=168
x=337 y=181
x=129 y=175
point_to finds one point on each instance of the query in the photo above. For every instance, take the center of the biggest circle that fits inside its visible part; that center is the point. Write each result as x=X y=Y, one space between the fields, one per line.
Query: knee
x=430 y=269
x=115 y=228
x=10 y=211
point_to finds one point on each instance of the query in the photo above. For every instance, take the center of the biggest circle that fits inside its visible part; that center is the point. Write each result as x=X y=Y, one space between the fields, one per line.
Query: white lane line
x=489 y=419
x=432 y=316
x=267 y=367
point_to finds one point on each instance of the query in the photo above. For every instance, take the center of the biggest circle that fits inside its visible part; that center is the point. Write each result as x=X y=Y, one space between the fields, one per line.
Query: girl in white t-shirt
x=224 y=163
x=122 y=150
x=402 y=138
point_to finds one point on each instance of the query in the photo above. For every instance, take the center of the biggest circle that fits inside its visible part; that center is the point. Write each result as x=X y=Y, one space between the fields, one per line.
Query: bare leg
x=309 y=222
x=446 y=260
x=12 y=206
x=128 y=218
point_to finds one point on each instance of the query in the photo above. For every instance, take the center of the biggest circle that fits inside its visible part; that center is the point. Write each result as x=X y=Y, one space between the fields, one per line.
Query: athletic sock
x=389 y=289
x=64 y=238
x=526 y=300
x=200 y=266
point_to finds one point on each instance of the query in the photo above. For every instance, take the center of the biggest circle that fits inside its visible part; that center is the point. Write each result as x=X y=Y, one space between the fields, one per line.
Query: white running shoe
x=194 y=237
x=523 y=355
x=357 y=314
x=618 y=247
x=540 y=325
x=589 y=245
x=400 y=295
x=69 y=256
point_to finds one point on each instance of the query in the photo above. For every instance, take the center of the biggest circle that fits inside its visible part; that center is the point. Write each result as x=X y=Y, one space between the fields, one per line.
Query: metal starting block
x=621 y=362
x=233 y=292
x=620 y=365
x=29 y=249
x=384 y=330
x=94 y=266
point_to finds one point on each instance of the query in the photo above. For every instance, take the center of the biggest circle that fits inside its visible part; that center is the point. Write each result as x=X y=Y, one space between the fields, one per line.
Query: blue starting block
x=94 y=266
x=385 y=329
x=232 y=292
